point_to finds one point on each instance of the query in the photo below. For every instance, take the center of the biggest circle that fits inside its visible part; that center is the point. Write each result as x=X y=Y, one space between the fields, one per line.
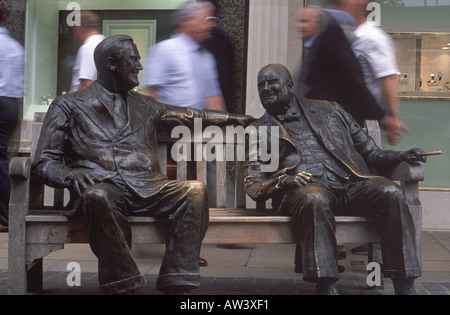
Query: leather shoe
x=326 y=287
x=202 y=262
x=3 y=228
x=404 y=286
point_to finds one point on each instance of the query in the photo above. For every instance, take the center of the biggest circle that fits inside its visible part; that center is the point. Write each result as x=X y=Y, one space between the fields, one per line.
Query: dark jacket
x=339 y=134
x=330 y=71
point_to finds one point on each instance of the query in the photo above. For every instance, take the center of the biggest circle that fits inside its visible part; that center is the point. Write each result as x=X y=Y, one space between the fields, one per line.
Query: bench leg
x=35 y=276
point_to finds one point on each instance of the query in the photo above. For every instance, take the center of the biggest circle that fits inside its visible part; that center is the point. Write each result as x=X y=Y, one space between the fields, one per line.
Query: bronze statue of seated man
x=324 y=170
x=101 y=144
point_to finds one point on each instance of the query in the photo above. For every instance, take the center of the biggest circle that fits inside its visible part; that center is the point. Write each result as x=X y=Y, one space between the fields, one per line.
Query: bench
x=38 y=226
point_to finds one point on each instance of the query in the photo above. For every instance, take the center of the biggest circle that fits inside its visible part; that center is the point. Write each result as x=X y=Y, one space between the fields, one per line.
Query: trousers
x=183 y=203
x=314 y=208
x=9 y=115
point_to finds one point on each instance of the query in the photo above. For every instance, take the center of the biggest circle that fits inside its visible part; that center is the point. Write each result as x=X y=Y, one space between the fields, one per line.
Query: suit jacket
x=330 y=71
x=336 y=130
x=79 y=133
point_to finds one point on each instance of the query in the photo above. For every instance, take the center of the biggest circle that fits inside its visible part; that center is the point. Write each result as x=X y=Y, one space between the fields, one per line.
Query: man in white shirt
x=88 y=34
x=12 y=86
x=179 y=70
x=375 y=52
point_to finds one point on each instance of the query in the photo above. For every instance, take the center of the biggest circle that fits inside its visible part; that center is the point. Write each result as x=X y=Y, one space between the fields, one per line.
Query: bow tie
x=289 y=117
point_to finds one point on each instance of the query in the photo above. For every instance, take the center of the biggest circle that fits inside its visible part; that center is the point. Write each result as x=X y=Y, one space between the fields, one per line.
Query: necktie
x=120 y=112
x=289 y=117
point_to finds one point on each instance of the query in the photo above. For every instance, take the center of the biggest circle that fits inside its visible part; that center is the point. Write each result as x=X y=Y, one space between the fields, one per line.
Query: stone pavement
x=253 y=269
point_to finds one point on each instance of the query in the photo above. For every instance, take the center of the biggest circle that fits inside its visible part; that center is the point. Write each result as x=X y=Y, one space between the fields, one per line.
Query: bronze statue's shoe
x=3 y=228
x=404 y=286
x=327 y=287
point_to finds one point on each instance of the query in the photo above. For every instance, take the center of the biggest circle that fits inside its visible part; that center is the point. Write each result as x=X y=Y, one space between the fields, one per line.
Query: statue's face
x=128 y=67
x=275 y=91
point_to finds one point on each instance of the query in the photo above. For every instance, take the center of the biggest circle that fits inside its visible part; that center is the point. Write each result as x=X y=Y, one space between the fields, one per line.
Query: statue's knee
x=309 y=204
x=313 y=200
x=94 y=193
x=197 y=188
x=392 y=191
x=96 y=198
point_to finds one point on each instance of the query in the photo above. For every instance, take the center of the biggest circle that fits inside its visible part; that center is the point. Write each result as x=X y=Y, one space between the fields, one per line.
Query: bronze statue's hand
x=80 y=181
x=413 y=155
x=303 y=178
x=297 y=180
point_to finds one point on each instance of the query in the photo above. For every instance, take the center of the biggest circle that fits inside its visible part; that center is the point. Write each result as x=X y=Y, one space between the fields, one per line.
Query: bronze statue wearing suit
x=324 y=169
x=101 y=144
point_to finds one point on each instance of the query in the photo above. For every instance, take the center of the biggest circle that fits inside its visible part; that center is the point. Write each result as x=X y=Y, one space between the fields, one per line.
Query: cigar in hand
x=431 y=153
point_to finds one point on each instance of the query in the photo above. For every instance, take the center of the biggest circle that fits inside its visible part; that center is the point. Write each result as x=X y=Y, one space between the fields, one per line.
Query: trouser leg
x=110 y=240
x=380 y=196
x=311 y=206
x=188 y=225
x=185 y=205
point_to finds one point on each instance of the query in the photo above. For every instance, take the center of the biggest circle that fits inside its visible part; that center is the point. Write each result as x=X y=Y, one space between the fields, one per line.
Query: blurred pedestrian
x=221 y=46
x=330 y=70
x=88 y=34
x=12 y=87
x=375 y=52
x=179 y=70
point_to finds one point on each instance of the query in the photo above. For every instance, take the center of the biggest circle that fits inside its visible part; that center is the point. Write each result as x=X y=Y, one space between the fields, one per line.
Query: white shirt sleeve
x=381 y=56
x=88 y=71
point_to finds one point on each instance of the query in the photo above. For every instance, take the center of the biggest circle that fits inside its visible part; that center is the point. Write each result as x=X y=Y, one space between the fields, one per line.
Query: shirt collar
x=310 y=41
x=106 y=94
x=4 y=30
x=93 y=37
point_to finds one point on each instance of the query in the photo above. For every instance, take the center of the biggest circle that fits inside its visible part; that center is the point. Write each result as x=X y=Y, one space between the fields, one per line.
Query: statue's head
x=275 y=88
x=118 y=63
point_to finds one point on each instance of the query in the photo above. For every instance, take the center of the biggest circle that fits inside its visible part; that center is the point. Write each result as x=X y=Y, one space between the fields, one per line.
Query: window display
x=424 y=63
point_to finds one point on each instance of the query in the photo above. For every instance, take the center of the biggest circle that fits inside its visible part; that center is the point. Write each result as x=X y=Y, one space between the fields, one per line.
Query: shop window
x=51 y=46
x=424 y=64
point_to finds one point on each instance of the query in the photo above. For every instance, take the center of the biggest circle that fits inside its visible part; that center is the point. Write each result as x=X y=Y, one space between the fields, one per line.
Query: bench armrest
x=408 y=172
x=20 y=167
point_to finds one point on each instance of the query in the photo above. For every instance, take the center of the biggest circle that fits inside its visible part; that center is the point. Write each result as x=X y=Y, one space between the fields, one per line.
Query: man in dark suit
x=324 y=170
x=101 y=144
x=330 y=70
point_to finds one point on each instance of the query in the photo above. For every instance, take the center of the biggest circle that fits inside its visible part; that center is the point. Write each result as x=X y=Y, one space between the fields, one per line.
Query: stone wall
x=233 y=19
